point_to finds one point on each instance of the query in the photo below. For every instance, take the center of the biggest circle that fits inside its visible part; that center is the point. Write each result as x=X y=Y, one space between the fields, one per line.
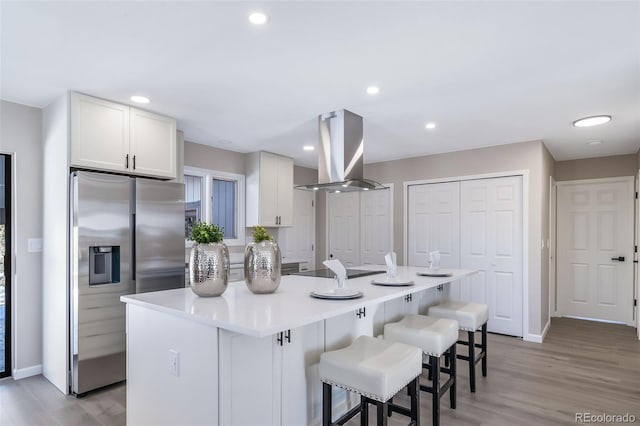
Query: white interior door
x=344 y=227
x=491 y=227
x=375 y=226
x=434 y=223
x=297 y=242
x=595 y=226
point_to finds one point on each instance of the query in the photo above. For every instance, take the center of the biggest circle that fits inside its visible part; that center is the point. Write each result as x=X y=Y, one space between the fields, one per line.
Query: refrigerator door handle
x=133 y=247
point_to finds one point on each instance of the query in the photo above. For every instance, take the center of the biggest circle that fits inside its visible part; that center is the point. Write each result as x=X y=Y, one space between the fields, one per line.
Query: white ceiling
x=488 y=73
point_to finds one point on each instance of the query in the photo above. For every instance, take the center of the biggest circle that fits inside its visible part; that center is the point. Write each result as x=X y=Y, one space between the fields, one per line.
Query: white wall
x=21 y=136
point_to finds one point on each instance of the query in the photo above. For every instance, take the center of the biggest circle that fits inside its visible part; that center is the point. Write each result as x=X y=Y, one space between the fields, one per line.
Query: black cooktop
x=327 y=273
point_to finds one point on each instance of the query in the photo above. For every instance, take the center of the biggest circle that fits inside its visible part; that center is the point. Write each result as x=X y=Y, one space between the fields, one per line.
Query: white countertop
x=262 y=315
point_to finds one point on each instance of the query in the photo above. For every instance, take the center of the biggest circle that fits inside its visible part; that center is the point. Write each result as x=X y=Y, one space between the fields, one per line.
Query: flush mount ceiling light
x=430 y=126
x=373 y=90
x=258 y=18
x=308 y=148
x=594 y=142
x=140 y=99
x=594 y=120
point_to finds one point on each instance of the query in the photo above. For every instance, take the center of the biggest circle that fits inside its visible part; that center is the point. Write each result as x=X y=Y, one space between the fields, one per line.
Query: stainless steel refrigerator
x=127 y=236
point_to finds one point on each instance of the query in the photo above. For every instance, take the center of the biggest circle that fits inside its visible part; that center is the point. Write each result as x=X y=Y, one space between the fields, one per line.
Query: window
x=215 y=197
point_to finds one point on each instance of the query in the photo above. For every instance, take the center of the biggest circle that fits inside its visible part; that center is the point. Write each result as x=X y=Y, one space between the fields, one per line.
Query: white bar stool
x=471 y=317
x=376 y=369
x=435 y=336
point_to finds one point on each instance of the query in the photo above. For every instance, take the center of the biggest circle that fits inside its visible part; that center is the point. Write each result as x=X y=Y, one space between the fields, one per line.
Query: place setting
x=392 y=279
x=340 y=291
x=434 y=270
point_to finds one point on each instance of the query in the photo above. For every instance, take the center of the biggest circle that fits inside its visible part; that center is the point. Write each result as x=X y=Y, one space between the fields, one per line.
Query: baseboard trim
x=23 y=373
x=538 y=338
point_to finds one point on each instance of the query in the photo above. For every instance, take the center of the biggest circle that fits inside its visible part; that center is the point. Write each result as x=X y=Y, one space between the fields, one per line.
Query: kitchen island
x=245 y=359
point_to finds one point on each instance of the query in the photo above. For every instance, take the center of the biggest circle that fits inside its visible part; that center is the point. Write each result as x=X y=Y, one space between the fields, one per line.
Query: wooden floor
x=581 y=367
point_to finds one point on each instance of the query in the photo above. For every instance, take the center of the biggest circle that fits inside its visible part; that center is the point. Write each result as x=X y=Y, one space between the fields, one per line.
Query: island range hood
x=340 y=154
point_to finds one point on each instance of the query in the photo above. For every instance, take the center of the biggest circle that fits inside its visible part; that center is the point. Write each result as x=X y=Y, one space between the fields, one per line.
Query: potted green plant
x=208 y=260
x=262 y=262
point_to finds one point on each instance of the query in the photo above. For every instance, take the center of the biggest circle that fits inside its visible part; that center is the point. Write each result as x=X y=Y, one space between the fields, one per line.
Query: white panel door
x=595 y=226
x=297 y=242
x=434 y=223
x=491 y=228
x=375 y=226
x=344 y=227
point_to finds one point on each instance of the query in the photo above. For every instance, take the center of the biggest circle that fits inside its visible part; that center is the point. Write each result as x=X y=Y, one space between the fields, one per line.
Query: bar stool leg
x=414 y=392
x=434 y=361
x=326 y=404
x=364 y=411
x=382 y=413
x=452 y=374
x=484 y=349
x=472 y=360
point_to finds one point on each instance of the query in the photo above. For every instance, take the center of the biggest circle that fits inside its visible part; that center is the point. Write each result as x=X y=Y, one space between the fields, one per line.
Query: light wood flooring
x=582 y=366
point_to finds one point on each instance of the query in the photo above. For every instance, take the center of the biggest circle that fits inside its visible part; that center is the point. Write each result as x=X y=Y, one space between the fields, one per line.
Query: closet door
x=344 y=227
x=491 y=228
x=434 y=223
x=375 y=226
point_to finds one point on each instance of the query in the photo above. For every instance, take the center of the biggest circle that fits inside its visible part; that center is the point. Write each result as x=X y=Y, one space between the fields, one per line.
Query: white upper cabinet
x=113 y=137
x=269 y=190
x=153 y=144
x=99 y=134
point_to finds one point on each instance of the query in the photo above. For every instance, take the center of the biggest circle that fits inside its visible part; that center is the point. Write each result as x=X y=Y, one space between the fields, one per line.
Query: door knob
x=619 y=258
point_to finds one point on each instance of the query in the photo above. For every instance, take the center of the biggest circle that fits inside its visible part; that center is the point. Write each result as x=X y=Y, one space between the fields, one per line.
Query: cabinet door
x=153 y=144
x=249 y=389
x=301 y=386
x=285 y=191
x=99 y=134
x=268 y=205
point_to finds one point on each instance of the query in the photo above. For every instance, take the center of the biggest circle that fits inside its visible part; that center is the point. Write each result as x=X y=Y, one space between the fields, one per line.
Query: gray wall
x=518 y=156
x=600 y=167
x=21 y=136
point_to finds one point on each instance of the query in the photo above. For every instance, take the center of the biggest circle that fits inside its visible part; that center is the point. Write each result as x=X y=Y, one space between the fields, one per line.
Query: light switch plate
x=34 y=245
x=174 y=363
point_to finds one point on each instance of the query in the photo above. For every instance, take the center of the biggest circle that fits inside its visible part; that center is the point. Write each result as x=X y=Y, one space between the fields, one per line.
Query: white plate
x=436 y=274
x=336 y=293
x=392 y=283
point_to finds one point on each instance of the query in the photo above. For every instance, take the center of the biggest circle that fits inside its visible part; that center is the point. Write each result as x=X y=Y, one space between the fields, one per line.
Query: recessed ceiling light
x=344 y=185
x=315 y=188
x=365 y=189
x=258 y=18
x=592 y=121
x=140 y=99
x=430 y=126
x=373 y=90
x=594 y=142
x=308 y=147
x=337 y=192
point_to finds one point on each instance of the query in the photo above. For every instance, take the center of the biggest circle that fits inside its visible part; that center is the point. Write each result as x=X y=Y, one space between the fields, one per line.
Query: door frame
x=595 y=181
x=389 y=186
x=553 y=246
x=526 y=335
x=12 y=296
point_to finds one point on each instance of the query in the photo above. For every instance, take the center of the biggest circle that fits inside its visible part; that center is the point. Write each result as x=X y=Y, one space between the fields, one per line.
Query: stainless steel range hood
x=340 y=156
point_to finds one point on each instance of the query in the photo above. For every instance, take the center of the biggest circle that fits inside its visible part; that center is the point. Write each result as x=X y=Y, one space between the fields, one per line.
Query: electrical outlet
x=174 y=362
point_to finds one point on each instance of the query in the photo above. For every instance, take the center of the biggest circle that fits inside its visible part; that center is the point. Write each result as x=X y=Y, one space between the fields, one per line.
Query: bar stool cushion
x=375 y=368
x=433 y=335
x=469 y=315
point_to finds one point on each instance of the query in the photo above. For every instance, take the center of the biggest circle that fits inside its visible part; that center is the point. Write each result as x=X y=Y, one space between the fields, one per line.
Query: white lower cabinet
x=260 y=380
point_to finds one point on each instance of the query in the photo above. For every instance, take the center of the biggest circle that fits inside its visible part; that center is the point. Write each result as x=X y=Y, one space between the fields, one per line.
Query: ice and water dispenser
x=104 y=265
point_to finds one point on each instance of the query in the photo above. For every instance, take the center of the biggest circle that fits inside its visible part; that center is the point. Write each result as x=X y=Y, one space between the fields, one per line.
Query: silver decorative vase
x=262 y=265
x=209 y=269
